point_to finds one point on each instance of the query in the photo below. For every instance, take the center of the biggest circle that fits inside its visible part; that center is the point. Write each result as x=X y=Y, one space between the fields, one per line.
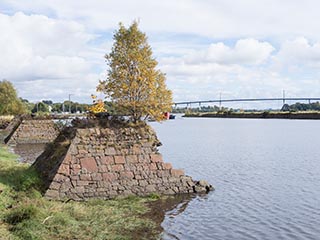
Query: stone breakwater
x=110 y=162
x=32 y=131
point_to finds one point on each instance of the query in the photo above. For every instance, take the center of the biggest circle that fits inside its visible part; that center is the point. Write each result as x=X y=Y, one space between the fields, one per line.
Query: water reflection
x=28 y=153
x=168 y=207
x=169 y=220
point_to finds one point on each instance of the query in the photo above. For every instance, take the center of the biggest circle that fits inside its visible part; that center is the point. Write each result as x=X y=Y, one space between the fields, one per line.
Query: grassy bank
x=25 y=214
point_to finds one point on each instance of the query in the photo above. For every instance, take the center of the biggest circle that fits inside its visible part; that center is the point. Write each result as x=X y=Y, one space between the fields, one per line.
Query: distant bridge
x=246 y=100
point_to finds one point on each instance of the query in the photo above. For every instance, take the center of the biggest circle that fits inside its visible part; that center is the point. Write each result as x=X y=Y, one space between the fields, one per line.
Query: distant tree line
x=11 y=104
x=315 y=106
x=296 y=107
x=48 y=106
x=200 y=109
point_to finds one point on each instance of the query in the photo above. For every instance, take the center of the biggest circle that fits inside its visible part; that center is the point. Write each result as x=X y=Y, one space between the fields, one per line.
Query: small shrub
x=20 y=214
x=154 y=196
x=28 y=179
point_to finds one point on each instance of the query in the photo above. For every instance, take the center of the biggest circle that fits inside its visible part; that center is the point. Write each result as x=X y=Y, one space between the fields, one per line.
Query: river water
x=266 y=174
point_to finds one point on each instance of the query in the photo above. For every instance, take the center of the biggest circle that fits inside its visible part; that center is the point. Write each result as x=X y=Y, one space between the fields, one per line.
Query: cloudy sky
x=245 y=48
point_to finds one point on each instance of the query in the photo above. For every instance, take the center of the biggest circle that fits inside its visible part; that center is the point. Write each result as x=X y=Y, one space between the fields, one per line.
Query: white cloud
x=36 y=47
x=245 y=51
x=213 y=18
x=219 y=64
x=299 y=52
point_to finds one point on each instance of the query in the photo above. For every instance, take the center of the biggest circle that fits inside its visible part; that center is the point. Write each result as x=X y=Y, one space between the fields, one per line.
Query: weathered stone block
x=82 y=152
x=109 y=176
x=136 y=149
x=167 y=166
x=117 y=168
x=68 y=158
x=74 y=177
x=142 y=158
x=89 y=164
x=59 y=178
x=156 y=158
x=138 y=177
x=52 y=194
x=163 y=173
x=55 y=185
x=119 y=159
x=173 y=179
x=151 y=188
x=85 y=177
x=177 y=172
x=64 y=169
x=110 y=151
x=143 y=183
x=105 y=184
x=132 y=159
x=107 y=160
x=153 y=166
x=160 y=165
x=96 y=176
x=126 y=175
x=82 y=183
x=79 y=189
x=104 y=168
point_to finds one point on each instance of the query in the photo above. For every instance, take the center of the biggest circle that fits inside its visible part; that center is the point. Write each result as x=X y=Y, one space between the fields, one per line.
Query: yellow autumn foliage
x=133 y=82
x=97 y=106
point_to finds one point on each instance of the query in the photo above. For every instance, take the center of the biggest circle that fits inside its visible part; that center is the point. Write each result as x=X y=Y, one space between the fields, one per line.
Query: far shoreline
x=310 y=115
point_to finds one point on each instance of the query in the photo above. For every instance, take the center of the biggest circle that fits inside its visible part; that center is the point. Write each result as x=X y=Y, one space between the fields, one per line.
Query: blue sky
x=243 y=48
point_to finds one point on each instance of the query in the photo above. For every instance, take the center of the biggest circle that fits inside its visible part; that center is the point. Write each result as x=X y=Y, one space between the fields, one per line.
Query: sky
x=239 y=49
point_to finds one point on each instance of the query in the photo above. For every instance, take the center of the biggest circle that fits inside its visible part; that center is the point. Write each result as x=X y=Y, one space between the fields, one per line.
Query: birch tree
x=133 y=82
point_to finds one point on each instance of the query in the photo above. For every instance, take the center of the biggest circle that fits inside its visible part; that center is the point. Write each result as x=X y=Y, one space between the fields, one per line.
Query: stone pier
x=107 y=162
x=30 y=131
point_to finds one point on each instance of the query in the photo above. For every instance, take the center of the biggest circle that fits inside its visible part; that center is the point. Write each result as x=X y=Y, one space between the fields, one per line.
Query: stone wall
x=109 y=162
x=33 y=131
x=14 y=123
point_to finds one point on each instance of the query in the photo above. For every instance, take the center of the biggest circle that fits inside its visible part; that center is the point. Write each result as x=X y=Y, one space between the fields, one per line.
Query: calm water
x=266 y=174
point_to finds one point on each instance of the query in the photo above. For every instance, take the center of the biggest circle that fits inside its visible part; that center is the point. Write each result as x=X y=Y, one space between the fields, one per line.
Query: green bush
x=29 y=179
x=20 y=214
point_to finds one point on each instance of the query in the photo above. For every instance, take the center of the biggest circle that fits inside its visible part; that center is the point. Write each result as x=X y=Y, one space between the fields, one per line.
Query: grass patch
x=25 y=214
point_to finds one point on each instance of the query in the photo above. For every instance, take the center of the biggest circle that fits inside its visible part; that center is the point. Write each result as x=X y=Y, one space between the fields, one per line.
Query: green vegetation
x=258 y=114
x=134 y=83
x=315 y=106
x=40 y=107
x=48 y=106
x=25 y=214
x=198 y=109
x=296 y=107
x=10 y=104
